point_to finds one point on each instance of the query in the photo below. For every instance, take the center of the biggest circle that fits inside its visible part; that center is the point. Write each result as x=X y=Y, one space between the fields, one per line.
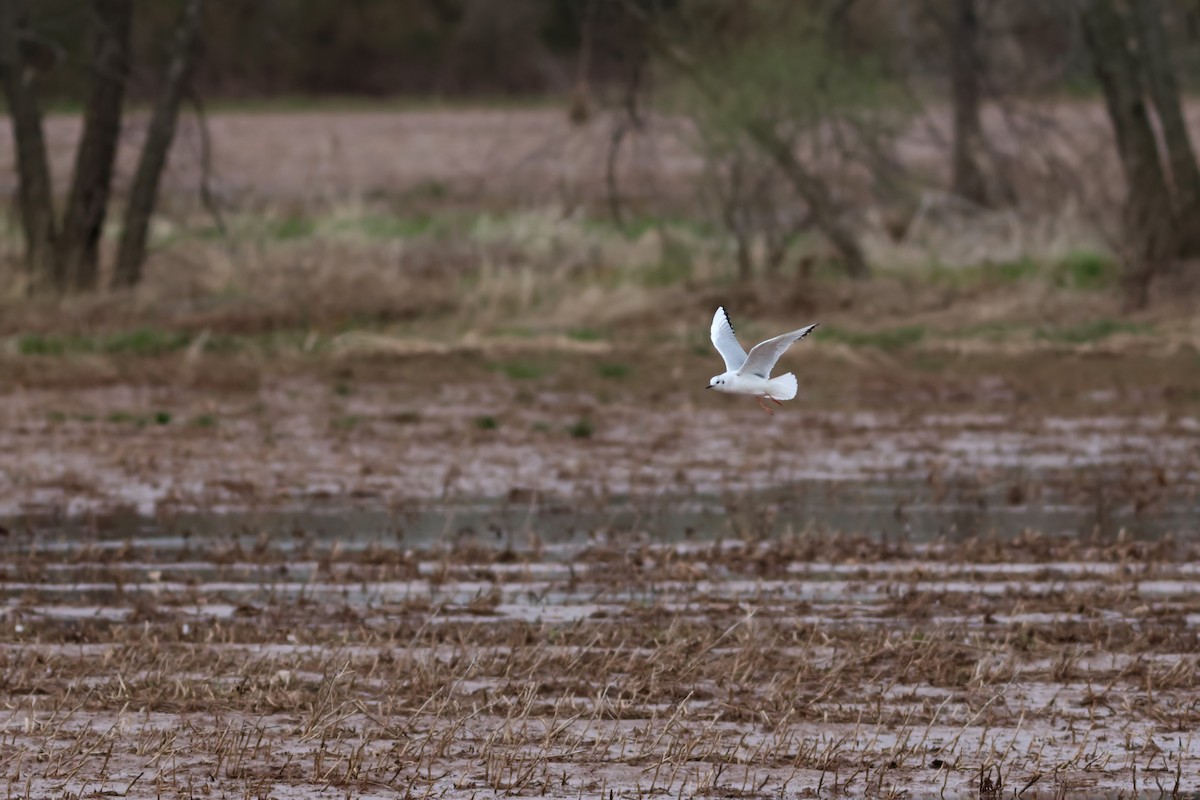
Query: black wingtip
x=728 y=321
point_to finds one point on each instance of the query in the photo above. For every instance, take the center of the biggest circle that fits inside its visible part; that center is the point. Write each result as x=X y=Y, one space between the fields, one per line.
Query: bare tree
x=66 y=258
x=755 y=204
x=965 y=70
x=33 y=169
x=1119 y=61
x=87 y=204
x=782 y=86
x=1163 y=90
x=144 y=193
x=815 y=191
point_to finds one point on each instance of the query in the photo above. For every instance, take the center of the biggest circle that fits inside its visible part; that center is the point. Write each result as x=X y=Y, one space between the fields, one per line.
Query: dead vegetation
x=486 y=216
x=823 y=664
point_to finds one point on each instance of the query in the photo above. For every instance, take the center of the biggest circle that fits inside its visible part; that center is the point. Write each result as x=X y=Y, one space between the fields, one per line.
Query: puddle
x=887 y=509
x=288 y=452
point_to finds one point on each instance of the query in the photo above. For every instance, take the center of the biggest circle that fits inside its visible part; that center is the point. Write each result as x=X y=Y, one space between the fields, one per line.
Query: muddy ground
x=1116 y=434
x=334 y=580
x=247 y=665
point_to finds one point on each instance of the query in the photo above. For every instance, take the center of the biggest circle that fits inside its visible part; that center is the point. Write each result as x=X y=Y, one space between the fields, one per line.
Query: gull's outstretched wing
x=763 y=355
x=726 y=342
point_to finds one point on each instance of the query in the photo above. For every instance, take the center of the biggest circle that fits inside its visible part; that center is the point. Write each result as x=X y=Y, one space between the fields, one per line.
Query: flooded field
x=295 y=442
x=303 y=586
x=919 y=604
x=171 y=661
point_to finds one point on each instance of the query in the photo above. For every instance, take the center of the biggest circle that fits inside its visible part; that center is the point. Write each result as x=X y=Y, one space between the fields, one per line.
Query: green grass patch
x=381 y=226
x=486 y=423
x=1086 y=270
x=37 y=345
x=992 y=273
x=141 y=342
x=1093 y=331
x=144 y=342
x=140 y=420
x=1082 y=270
x=204 y=421
x=612 y=371
x=522 y=370
x=292 y=227
x=582 y=429
x=584 y=335
x=887 y=339
x=58 y=417
x=1011 y=271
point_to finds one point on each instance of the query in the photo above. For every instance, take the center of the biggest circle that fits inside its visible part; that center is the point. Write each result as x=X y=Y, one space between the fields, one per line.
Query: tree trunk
x=144 y=192
x=816 y=194
x=33 y=169
x=1163 y=90
x=968 y=179
x=87 y=203
x=1148 y=218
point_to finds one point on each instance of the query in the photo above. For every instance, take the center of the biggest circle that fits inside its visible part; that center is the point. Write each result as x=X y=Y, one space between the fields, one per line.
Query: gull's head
x=718 y=382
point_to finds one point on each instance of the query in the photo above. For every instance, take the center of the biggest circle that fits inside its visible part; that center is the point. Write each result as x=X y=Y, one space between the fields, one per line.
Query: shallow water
x=1001 y=507
x=287 y=452
x=626 y=614
x=299 y=660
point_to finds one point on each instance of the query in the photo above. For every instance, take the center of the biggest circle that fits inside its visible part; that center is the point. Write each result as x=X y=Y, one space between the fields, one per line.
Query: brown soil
x=302 y=667
x=554 y=643
x=94 y=434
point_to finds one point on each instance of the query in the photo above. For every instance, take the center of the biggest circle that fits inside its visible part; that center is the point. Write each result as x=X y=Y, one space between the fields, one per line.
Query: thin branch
x=207 y=197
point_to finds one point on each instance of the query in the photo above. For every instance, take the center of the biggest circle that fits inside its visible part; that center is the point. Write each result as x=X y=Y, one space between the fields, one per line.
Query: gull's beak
x=709 y=386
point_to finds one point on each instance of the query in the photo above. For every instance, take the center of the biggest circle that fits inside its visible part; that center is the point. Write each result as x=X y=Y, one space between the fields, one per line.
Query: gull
x=751 y=373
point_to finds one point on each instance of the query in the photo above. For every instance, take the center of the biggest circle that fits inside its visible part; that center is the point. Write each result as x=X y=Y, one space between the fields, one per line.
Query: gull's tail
x=783 y=387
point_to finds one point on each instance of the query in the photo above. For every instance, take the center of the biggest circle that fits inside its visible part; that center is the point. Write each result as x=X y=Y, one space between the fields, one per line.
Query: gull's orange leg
x=764 y=407
x=773 y=400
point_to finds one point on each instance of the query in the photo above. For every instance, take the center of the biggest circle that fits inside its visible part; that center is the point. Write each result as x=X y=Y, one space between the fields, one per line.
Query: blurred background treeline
x=270 y=49
x=656 y=144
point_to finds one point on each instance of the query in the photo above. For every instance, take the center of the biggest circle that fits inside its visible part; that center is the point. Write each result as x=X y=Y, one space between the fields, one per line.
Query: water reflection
x=916 y=511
